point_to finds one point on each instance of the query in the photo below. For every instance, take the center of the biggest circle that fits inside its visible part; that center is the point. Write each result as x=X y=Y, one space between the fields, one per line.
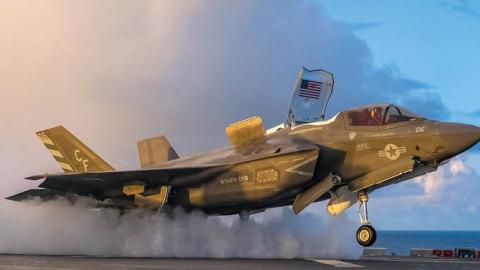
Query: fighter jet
x=304 y=160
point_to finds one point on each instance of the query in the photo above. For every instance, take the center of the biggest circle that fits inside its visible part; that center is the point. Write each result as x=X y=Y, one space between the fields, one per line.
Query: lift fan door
x=310 y=96
x=245 y=131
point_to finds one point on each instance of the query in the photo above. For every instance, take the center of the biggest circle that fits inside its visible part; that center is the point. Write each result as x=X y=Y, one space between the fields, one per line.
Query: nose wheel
x=366 y=234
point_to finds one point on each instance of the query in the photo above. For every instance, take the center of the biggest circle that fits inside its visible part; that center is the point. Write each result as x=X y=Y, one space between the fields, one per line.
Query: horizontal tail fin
x=43 y=194
x=71 y=154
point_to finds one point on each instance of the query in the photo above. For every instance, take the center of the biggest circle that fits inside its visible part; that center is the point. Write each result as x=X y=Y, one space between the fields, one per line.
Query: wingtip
x=37 y=177
x=12 y=198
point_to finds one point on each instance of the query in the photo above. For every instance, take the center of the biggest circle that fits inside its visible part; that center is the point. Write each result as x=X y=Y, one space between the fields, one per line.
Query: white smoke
x=60 y=228
x=437 y=186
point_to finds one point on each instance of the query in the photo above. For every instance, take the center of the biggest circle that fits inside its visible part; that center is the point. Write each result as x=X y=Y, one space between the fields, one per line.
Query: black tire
x=366 y=235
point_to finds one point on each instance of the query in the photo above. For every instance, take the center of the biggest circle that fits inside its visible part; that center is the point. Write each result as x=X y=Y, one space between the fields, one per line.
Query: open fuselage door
x=153 y=153
x=310 y=96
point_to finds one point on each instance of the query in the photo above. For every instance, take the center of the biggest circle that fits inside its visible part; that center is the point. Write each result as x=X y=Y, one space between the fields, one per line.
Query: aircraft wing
x=101 y=185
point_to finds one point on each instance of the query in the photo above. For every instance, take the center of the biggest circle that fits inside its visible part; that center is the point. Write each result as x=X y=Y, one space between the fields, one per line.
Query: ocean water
x=400 y=242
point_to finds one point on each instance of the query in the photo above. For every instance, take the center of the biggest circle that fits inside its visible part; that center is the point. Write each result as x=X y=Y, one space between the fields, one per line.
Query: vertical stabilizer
x=72 y=155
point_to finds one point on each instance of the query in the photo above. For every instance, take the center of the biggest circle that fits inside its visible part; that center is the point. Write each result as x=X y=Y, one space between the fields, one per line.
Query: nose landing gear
x=366 y=234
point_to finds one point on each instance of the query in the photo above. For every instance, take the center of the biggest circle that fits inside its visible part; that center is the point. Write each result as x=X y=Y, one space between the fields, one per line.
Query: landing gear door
x=310 y=96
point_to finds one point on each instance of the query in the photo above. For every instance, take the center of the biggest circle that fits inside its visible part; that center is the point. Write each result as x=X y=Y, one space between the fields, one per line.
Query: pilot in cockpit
x=375 y=116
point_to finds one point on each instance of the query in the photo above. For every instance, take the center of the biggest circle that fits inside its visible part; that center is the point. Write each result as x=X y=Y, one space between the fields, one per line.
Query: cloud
x=464 y=7
x=474 y=114
x=443 y=200
x=435 y=184
x=445 y=186
x=359 y=26
x=454 y=185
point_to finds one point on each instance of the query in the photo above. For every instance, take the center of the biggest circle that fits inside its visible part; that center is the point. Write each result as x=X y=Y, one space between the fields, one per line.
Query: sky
x=433 y=42
x=114 y=72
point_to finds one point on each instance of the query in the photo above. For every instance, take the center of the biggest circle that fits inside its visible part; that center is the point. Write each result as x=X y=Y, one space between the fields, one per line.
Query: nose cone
x=459 y=137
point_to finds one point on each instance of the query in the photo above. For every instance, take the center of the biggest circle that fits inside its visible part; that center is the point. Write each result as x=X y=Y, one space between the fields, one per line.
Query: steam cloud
x=61 y=228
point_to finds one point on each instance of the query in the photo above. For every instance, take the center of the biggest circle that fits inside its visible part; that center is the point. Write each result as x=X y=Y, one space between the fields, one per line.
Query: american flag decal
x=310 y=89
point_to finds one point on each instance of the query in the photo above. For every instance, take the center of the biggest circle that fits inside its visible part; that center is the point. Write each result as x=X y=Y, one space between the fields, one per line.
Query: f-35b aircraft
x=304 y=160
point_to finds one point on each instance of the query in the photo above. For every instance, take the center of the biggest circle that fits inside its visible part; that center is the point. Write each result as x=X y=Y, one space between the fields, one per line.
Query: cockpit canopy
x=379 y=115
x=310 y=99
x=310 y=96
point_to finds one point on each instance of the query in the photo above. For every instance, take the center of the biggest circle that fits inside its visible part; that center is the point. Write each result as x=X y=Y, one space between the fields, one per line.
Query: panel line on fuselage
x=294 y=168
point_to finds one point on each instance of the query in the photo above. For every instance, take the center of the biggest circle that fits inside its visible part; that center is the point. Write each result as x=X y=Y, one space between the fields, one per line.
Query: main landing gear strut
x=366 y=234
x=244 y=215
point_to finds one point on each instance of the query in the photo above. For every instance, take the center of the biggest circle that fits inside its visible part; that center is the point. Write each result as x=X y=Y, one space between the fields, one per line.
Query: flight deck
x=28 y=262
